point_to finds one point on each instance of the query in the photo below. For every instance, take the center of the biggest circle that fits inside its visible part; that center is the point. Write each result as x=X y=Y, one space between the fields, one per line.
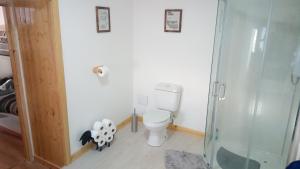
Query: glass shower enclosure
x=254 y=90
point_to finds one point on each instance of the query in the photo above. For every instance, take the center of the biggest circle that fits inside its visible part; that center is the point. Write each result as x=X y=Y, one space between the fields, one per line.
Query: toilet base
x=157 y=137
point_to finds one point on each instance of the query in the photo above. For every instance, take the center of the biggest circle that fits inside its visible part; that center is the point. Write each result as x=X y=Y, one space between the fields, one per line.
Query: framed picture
x=103 y=19
x=173 y=19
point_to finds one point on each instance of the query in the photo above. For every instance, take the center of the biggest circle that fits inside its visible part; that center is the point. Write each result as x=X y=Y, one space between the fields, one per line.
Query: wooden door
x=38 y=28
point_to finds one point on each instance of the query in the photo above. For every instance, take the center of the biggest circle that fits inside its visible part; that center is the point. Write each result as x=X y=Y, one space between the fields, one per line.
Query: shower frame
x=218 y=89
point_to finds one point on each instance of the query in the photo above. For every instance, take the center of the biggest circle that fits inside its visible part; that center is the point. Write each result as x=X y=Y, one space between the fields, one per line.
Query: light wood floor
x=11 y=153
x=130 y=151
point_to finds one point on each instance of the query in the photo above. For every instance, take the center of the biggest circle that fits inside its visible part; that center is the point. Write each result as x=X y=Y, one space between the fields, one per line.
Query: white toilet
x=167 y=98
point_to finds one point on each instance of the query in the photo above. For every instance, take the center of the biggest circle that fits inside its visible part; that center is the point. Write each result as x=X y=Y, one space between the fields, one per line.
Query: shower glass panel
x=254 y=92
x=277 y=101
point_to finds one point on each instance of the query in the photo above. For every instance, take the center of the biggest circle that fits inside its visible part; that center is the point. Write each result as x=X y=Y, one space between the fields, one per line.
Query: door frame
x=16 y=53
x=19 y=83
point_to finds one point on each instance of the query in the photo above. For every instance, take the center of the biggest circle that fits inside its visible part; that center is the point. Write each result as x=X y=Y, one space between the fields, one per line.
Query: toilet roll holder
x=98 y=69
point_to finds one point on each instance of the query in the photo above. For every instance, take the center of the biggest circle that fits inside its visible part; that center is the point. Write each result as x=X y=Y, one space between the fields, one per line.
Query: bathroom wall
x=5 y=67
x=88 y=97
x=182 y=58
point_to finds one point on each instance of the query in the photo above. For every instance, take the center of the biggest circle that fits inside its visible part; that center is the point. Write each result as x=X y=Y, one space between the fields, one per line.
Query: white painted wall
x=182 y=58
x=88 y=98
x=5 y=67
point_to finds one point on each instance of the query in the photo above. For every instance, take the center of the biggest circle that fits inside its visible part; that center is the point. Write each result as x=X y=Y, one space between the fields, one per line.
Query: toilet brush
x=134 y=122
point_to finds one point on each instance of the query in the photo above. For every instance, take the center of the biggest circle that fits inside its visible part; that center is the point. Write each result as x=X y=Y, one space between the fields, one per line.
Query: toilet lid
x=156 y=116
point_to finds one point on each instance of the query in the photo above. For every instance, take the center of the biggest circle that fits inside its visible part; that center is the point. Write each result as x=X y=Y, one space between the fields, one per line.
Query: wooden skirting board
x=186 y=130
x=175 y=127
x=46 y=163
x=82 y=151
x=127 y=121
x=124 y=123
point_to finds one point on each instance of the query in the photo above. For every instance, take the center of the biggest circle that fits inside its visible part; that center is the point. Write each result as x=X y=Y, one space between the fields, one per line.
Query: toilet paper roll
x=113 y=130
x=109 y=138
x=103 y=71
x=101 y=141
x=95 y=135
x=104 y=132
x=108 y=123
x=98 y=126
x=109 y=126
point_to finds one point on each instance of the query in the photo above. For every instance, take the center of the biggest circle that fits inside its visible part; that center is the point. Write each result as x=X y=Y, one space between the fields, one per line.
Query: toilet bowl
x=156 y=121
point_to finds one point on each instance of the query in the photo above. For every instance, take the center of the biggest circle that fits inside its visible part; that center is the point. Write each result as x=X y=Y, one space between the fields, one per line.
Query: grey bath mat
x=183 y=160
x=229 y=160
x=2 y=116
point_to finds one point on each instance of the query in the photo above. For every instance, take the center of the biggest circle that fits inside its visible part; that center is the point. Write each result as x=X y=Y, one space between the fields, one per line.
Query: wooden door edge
x=59 y=52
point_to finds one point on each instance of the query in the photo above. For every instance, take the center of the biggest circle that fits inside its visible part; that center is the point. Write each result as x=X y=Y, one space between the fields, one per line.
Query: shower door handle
x=215 y=90
x=222 y=92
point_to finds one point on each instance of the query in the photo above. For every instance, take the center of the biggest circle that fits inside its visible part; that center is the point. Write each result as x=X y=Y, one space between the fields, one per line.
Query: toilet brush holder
x=134 y=122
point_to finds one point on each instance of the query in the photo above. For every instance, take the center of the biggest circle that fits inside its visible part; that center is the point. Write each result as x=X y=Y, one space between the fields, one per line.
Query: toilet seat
x=156 y=116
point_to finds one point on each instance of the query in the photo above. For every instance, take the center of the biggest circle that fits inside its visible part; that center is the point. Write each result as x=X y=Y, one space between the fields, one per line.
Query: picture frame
x=173 y=20
x=103 y=19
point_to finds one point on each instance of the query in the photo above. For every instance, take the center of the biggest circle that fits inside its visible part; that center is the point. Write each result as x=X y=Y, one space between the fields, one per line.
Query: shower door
x=254 y=92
